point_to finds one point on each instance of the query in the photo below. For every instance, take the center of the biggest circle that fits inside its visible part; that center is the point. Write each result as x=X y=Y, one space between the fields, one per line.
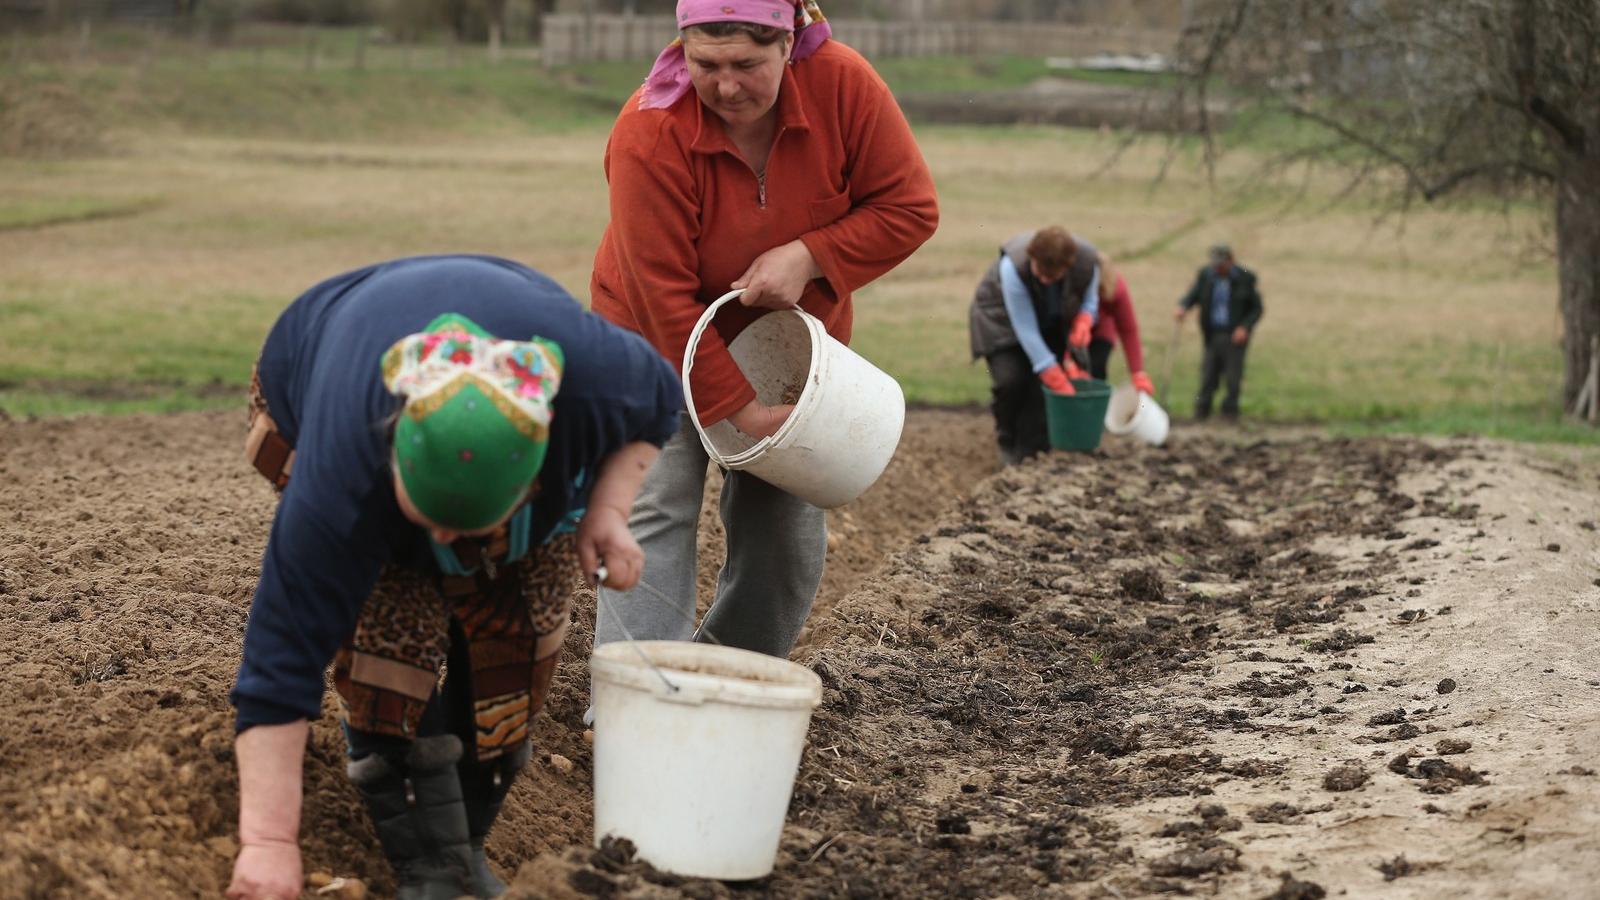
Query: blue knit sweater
x=337 y=523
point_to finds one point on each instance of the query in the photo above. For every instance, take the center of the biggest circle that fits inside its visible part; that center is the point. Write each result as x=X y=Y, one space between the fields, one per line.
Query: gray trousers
x=776 y=547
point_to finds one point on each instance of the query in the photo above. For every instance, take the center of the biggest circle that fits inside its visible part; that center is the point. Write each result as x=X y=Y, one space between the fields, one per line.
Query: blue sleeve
x=625 y=389
x=616 y=390
x=658 y=419
x=1091 y=297
x=313 y=584
x=648 y=396
x=1019 y=307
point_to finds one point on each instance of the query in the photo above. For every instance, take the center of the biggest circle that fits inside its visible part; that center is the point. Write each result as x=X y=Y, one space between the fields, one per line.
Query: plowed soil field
x=1248 y=664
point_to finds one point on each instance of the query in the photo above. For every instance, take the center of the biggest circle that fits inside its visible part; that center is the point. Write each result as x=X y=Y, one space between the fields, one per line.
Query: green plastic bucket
x=1076 y=421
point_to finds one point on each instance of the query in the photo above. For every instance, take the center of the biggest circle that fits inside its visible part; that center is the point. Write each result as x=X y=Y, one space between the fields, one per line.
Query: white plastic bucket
x=846 y=422
x=698 y=776
x=1132 y=412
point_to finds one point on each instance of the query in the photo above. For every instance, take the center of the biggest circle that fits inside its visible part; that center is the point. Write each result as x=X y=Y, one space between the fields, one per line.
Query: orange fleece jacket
x=688 y=215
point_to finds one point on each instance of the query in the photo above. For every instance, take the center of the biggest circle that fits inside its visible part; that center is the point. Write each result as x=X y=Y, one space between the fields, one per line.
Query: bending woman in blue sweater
x=455 y=440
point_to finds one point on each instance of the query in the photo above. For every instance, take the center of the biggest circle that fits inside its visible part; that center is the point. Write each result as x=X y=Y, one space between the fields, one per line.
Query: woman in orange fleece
x=759 y=154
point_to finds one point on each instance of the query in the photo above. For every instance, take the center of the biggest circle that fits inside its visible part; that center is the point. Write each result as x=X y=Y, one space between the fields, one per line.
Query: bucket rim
x=808 y=398
x=792 y=686
x=1122 y=427
x=1146 y=412
x=748 y=456
x=803 y=407
x=1084 y=387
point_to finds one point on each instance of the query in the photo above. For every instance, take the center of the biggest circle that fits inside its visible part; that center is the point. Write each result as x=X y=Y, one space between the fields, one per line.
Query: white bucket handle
x=688 y=364
x=688 y=392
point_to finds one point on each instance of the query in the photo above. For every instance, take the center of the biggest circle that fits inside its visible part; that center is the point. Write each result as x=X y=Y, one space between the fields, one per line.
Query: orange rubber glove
x=1143 y=384
x=1056 y=380
x=1073 y=370
x=1082 y=330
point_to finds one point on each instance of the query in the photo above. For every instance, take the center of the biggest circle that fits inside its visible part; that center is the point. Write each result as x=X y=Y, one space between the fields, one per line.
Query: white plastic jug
x=846 y=421
x=697 y=775
x=1132 y=412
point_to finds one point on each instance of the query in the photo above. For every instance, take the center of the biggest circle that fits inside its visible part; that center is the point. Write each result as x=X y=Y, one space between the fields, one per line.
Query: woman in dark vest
x=1036 y=302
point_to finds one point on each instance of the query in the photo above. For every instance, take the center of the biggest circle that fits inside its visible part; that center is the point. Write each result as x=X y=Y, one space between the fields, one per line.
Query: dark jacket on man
x=1055 y=305
x=1244 y=301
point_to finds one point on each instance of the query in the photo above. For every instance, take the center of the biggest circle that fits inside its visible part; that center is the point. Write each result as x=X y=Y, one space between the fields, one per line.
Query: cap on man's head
x=1220 y=252
x=476 y=422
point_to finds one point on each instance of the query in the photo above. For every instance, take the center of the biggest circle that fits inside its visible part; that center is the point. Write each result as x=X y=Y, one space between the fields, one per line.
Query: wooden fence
x=578 y=38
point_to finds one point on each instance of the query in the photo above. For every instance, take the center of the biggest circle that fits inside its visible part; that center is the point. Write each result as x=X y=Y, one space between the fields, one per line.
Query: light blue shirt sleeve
x=1091 y=297
x=1019 y=307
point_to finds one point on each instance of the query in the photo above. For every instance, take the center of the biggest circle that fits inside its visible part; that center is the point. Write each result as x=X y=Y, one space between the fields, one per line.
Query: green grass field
x=160 y=204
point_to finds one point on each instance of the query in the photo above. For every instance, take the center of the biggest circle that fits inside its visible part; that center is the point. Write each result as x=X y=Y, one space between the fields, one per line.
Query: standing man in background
x=1230 y=307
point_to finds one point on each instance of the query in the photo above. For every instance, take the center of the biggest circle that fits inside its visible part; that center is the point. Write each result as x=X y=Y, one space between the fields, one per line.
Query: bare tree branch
x=1543 y=115
x=1569 y=131
x=1430 y=189
x=1422 y=99
x=1222 y=36
x=1459 y=177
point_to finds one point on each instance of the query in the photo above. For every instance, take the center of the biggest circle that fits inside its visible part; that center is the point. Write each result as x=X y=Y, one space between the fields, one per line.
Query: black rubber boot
x=484 y=787
x=421 y=821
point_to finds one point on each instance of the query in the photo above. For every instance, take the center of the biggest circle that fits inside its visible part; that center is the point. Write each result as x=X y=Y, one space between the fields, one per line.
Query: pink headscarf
x=669 y=77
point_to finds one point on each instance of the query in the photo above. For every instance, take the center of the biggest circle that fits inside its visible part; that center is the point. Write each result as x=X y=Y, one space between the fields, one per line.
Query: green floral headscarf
x=476 y=421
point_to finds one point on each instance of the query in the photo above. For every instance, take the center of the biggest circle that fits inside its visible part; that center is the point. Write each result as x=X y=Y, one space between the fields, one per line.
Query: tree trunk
x=1578 y=255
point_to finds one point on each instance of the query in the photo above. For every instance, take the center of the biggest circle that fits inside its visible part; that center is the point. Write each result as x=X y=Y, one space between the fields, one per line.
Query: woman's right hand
x=266 y=871
x=778 y=277
x=760 y=421
x=1056 y=380
x=270 y=760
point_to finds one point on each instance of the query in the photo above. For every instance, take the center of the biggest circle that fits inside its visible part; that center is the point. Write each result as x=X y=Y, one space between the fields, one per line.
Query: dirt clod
x=1446 y=685
x=1143 y=585
x=1345 y=778
x=1190 y=862
x=1340 y=641
x=1292 y=888
x=1438 y=776
x=1392 y=717
x=1213 y=818
x=1400 y=867
x=1451 y=746
x=1278 y=813
x=1401 y=764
